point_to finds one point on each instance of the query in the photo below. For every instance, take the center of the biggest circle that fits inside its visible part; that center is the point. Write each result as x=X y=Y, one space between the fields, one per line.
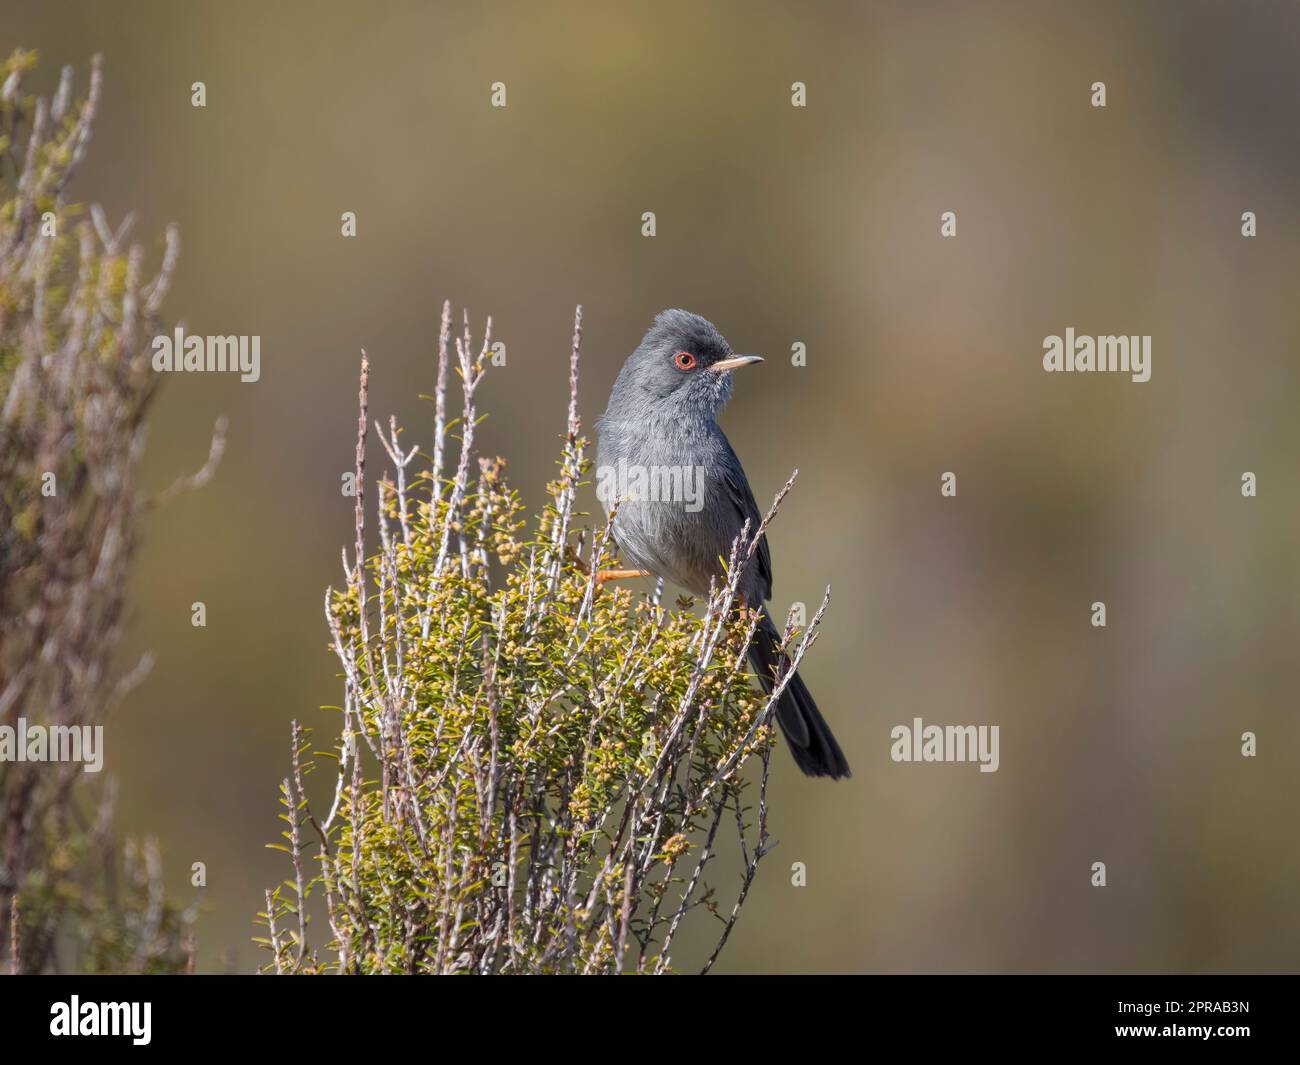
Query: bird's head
x=683 y=364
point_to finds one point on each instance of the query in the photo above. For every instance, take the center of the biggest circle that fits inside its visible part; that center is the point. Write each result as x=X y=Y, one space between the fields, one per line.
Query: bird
x=663 y=415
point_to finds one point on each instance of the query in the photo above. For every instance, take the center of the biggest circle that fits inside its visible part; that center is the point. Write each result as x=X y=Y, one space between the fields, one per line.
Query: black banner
x=1229 y=1014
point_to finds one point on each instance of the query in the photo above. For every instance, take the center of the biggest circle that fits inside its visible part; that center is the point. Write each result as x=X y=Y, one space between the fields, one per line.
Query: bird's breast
x=669 y=484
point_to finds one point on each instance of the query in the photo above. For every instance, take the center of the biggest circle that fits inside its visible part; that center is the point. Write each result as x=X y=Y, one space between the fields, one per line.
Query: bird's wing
x=739 y=492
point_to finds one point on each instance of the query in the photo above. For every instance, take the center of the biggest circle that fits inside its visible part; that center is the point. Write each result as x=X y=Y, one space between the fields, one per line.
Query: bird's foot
x=604 y=575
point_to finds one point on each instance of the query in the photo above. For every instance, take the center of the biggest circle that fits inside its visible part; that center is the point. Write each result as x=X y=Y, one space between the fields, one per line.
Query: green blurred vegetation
x=74 y=386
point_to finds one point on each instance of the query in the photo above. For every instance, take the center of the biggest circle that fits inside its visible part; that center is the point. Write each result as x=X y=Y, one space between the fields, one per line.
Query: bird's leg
x=619 y=574
x=604 y=575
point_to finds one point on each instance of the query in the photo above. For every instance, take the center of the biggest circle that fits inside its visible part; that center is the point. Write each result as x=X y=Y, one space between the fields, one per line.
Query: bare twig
x=204 y=474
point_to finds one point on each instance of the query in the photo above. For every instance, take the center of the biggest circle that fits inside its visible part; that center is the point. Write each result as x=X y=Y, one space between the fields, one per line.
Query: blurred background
x=817 y=225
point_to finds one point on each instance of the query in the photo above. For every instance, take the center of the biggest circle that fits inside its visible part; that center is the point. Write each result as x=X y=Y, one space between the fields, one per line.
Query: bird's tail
x=809 y=737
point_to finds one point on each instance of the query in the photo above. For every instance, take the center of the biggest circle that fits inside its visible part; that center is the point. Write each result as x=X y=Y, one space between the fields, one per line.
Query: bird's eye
x=684 y=360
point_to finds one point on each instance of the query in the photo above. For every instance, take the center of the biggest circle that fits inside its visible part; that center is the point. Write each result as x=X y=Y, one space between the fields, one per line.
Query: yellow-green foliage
x=534 y=766
x=76 y=314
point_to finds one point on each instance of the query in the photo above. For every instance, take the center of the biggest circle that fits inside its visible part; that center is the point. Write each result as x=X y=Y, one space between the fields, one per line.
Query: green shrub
x=535 y=769
x=77 y=312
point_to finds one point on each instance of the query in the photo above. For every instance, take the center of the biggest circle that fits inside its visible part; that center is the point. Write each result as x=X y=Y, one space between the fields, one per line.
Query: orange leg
x=604 y=575
x=620 y=574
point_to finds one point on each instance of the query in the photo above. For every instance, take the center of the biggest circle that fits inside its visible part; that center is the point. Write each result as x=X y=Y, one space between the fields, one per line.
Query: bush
x=534 y=769
x=77 y=311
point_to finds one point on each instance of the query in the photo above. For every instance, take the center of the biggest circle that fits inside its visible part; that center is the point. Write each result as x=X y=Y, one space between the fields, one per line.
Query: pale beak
x=735 y=362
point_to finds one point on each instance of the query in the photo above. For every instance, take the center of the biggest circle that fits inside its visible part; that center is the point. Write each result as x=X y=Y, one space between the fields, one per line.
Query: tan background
x=819 y=225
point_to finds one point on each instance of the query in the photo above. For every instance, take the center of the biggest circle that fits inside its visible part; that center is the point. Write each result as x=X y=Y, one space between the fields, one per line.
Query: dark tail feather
x=806 y=732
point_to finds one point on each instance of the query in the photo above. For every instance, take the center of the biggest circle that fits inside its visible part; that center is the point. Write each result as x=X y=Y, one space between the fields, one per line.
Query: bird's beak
x=735 y=362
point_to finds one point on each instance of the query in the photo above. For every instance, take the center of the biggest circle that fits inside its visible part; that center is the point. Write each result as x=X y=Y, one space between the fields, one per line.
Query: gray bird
x=662 y=416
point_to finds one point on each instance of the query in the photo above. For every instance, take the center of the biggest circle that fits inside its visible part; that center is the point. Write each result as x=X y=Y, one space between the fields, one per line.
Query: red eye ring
x=684 y=360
